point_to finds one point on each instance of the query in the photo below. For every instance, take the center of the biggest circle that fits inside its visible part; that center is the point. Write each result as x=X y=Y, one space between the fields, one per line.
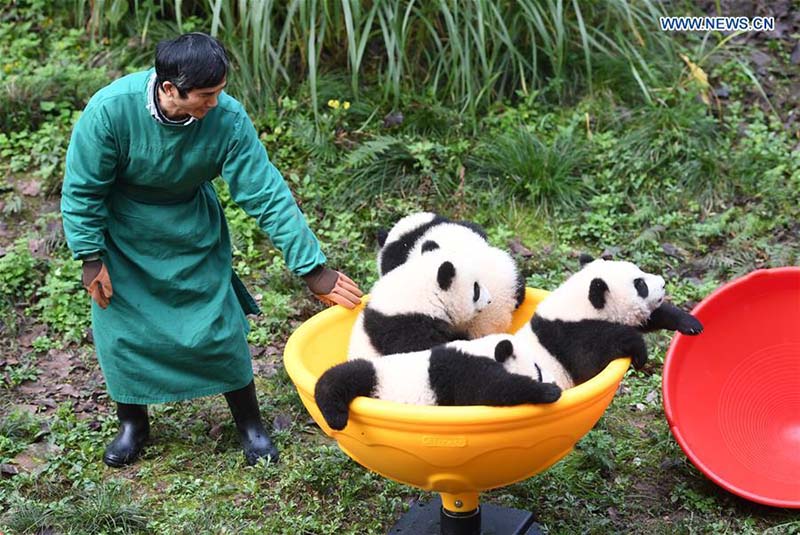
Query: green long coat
x=138 y=193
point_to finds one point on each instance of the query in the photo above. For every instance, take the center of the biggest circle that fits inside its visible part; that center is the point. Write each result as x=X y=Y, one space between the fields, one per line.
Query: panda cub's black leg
x=503 y=351
x=514 y=389
x=340 y=385
x=668 y=316
x=632 y=344
x=489 y=383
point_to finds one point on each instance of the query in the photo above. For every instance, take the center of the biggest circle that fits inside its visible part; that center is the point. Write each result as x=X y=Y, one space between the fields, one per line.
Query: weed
x=63 y=303
x=20 y=272
x=108 y=507
x=18 y=428
x=546 y=175
x=26 y=370
x=28 y=516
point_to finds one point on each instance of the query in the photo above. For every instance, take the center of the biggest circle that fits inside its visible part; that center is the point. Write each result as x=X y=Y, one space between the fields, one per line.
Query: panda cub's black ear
x=445 y=276
x=585 y=259
x=597 y=293
x=429 y=245
x=503 y=351
x=381 y=235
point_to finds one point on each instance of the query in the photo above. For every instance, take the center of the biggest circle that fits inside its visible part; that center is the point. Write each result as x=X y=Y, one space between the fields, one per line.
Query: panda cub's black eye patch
x=429 y=245
x=641 y=287
x=476 y=292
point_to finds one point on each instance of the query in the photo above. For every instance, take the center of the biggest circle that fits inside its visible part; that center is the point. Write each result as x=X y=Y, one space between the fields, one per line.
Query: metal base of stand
x=429 y=519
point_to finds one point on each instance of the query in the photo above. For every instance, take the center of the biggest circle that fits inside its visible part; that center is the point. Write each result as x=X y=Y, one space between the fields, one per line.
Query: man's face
x=199 y=102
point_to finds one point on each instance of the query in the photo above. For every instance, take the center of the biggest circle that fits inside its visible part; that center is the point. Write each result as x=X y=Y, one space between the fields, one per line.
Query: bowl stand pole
x=438 y=517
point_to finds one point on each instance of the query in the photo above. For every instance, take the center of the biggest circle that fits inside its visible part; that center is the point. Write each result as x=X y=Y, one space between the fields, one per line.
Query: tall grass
x=464 y=53
x=546 y=175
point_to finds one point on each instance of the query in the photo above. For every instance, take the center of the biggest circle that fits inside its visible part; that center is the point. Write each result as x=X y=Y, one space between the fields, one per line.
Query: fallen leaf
x=8 y=470
x=671 y=250
x=393 y=119
x=59 y=363
x=25 y=407
x=26 y=339
x=518 y=248
x=68 y=390
x=760 y=58
x=34 y=458
x=281 y=421
x=610 y=252
x=38 y=247
x=722 y=92
x=699 y=76
x=216 y=431
x=49 y=403
x=32 y=188
x=31 y=389
x=264 y=368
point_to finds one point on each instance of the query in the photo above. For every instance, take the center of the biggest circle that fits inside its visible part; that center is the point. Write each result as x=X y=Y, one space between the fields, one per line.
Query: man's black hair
x=191 y=61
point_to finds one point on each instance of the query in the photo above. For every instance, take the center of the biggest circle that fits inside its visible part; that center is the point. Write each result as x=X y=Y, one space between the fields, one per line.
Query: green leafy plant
x=20 y=272
x=466 y=54
x=520 y=164
x=19 y=373
x=62 y=302
x=18 y=428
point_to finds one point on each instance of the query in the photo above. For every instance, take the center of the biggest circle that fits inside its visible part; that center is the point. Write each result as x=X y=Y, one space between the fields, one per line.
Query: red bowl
x=732 y=394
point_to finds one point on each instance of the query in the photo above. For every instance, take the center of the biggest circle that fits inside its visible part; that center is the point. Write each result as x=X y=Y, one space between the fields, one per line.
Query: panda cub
x=425 y=302
x=474 y=372
x=419 y=233
x=398 y=244
x=596 y=316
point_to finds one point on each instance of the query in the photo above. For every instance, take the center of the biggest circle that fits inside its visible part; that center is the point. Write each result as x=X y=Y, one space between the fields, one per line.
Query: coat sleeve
x=258 y=187
x=90 y=172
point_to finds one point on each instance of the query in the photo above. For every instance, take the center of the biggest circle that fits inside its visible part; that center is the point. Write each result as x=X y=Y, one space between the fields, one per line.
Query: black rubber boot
x=134 y=430
x=255 y=441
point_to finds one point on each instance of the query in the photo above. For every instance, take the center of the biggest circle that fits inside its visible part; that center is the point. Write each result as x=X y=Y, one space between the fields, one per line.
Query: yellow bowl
x=456 y=451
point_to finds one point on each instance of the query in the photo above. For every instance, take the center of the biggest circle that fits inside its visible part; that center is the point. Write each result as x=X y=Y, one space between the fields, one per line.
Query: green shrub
x=463 y=53
x=544 y=174
x=20 y=272
x=62 y=302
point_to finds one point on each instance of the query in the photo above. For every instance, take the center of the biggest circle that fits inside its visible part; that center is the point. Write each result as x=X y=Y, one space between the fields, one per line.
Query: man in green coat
x=139 y=210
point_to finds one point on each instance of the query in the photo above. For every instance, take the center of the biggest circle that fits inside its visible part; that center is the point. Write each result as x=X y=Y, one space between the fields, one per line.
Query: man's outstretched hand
x=97 y=282
x=333 y=287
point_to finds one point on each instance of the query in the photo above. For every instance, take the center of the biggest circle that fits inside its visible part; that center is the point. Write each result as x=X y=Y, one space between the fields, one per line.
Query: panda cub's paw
x=340 y=385
x=547 y=393
x=689 y=325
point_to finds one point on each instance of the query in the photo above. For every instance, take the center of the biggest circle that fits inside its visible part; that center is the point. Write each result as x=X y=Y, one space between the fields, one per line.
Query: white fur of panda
x=591 y=319
x=397 y=244
x=420 y=233
x=523 y=360
x=475 y=372
x=404 y=225
x=425 y=302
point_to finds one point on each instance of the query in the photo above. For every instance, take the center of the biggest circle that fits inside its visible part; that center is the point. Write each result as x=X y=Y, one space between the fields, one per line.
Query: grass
x=466 y=54
x=518 y=164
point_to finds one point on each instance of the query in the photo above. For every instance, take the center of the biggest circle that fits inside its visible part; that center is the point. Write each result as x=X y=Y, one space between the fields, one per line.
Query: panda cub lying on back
x=421 y=232
x=598 y=315
x=427 y=301
x=493 y=370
